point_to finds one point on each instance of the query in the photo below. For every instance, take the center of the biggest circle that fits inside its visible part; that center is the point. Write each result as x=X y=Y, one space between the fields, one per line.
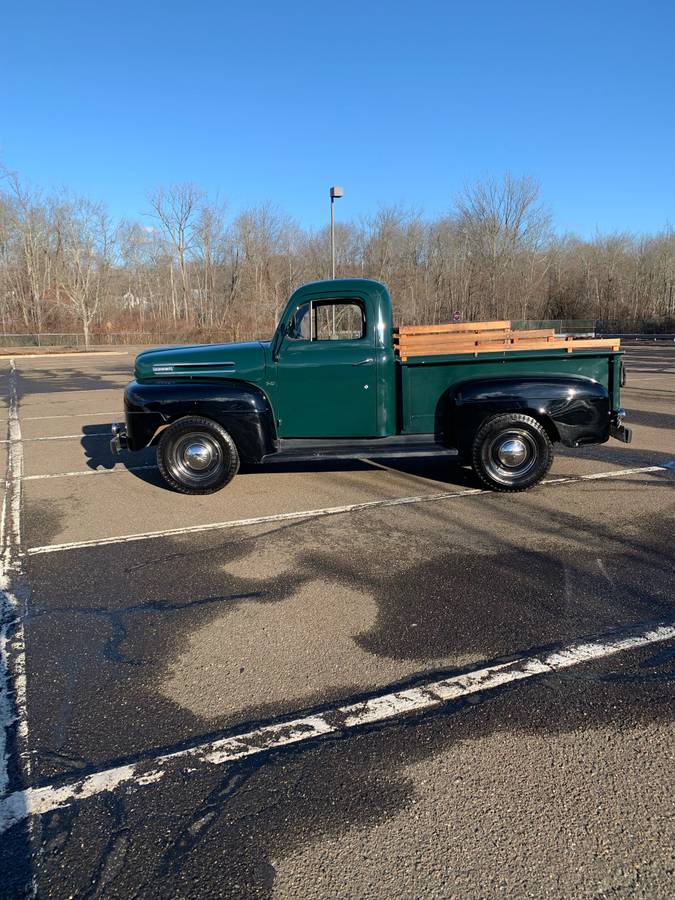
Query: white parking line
x=120 y=470
x=616 y=473
x=13 y=714
x=67 y=394
x=62 y=437
x=74 y=416
x=341 y=719
x=328 y=511
x=57 y=356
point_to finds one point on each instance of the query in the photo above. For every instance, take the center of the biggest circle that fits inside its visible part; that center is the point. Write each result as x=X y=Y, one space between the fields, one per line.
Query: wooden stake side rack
x=487 y=337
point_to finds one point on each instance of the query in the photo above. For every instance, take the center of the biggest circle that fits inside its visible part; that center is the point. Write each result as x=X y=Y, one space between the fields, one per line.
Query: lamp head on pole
x=336 y=192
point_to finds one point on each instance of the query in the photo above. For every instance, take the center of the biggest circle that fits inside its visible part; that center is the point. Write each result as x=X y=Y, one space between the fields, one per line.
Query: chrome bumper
x=119 y=440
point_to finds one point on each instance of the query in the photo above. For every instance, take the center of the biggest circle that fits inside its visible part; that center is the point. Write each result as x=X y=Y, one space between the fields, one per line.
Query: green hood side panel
x=244 y=362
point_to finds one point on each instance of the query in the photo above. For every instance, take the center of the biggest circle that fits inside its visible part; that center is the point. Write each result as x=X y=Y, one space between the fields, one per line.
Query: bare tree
x=29 y=228
x=86 y=239
x=506 y=228
x=177 y=209
x=209 y=246
x=261 y=235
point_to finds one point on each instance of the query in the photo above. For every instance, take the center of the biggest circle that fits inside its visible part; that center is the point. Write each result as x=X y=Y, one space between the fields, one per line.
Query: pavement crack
x=120 y=631
x=113 y=857
x=203 y=819
x=145 y=606
x=73 y=762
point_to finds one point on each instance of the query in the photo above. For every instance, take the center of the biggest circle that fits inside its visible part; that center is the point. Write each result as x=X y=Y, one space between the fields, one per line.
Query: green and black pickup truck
x=337 y=381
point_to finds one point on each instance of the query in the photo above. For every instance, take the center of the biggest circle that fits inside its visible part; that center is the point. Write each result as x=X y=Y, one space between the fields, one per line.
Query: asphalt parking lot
x=354 y=681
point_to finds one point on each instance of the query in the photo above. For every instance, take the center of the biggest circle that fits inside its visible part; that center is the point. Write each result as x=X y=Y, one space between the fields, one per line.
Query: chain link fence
x=147 y=338
x=575 y=327
x=113 y=339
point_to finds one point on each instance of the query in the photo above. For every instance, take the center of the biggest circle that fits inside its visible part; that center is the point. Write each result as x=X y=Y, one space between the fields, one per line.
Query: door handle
x=364 y=362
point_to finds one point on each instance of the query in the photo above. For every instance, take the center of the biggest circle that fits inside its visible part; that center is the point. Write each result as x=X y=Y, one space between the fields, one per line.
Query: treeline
x=194 y=270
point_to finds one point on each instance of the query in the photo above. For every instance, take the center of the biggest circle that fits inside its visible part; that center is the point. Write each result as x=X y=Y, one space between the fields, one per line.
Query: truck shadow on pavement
x=96 y=437
x=651 y=419
x=624 y=455
x=95 y=443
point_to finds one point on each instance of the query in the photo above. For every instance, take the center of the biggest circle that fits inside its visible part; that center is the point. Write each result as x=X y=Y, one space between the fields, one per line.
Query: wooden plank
x=420 y=340
x=469 y=347
x=454 y=327
x=595 y=343
x=455 y=347
x=569 y=344
x=450 y=339
x=440 y=342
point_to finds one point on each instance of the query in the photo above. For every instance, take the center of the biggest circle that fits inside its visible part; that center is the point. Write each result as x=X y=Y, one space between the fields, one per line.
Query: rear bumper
x=618 y=430
x=621 y=433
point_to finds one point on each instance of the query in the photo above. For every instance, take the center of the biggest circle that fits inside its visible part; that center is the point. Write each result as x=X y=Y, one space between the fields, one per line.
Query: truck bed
x=432 y=362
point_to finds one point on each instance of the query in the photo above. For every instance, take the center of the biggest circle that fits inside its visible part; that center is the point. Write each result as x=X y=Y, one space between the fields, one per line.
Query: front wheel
x=511 y=452
x=197 y=456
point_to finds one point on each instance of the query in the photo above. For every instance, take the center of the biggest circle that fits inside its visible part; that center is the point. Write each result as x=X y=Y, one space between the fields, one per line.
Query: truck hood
x=245 y=362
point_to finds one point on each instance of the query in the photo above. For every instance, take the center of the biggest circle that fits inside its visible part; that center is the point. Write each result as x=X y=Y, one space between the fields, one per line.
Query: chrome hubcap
x=197 y=456
x=510 y=456
x=512 y=452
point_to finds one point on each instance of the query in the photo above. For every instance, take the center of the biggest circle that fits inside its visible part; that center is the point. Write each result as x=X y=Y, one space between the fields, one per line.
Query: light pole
x=335 y=193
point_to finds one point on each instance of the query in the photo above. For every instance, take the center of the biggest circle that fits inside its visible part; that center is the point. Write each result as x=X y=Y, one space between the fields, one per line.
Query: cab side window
x=339 y=321
x=328 y=320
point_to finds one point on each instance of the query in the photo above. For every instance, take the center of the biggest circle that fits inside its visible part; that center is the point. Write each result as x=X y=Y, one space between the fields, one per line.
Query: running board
x=358 y=450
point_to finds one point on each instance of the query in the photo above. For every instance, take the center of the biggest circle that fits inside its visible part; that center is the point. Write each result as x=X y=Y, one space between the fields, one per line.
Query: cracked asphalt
x=557 y=786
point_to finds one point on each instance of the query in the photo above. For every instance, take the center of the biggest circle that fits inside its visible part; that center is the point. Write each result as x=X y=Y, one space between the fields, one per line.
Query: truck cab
x=332 y=363
x=330 y=385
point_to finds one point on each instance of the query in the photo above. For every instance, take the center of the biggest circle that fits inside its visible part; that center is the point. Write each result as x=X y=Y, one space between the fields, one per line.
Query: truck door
x=326 y=372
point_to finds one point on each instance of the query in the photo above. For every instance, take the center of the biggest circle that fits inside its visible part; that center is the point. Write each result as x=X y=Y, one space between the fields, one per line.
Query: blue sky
x=400 y=102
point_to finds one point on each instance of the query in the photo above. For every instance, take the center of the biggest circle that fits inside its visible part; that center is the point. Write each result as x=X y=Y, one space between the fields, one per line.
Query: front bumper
x=119 y=440
x=618 y=430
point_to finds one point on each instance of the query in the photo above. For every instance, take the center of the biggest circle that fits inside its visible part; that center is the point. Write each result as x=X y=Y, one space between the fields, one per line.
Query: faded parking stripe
x=331 y=511
x=119 y=470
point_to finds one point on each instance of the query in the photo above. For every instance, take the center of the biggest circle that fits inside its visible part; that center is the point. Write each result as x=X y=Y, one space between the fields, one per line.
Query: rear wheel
x=511 y=452
x=197 y=456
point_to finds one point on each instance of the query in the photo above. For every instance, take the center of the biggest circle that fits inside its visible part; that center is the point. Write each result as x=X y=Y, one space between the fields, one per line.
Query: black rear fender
x=242 y=409
x=573 y=409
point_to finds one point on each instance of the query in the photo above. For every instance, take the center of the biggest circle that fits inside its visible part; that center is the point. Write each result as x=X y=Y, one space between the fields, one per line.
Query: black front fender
x=575 y=409
x=242 y=409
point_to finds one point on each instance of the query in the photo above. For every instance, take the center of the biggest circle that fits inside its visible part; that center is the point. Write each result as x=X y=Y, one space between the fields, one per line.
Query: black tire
x=197 y=456
x=511 y=452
